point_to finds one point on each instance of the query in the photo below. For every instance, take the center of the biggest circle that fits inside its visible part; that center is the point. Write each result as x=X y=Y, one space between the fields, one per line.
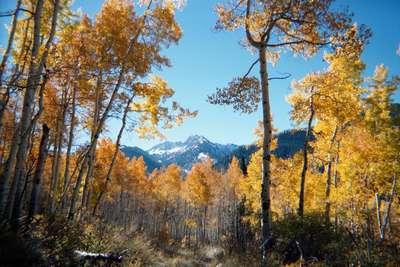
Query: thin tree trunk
x=266 y=175
x=121 y=206
x=6 y=174
x=204 y=235
x=32 y=83
x=10 y=41
x=74 y=197
x=387 y=214
x=17 y=73
x=300 y=210
x=69 y=147
x=117 y=144
x=382 y=225
x=335 y=180
x=328 y=177
x=6 y=54
x=92 y=155
x=335 y=172
x=14 y=186
x=10 y=163
x=55 y=153
x=43 y=151
x=22 y=130
x=57 y=156
x=71 y=213
x=89 y=174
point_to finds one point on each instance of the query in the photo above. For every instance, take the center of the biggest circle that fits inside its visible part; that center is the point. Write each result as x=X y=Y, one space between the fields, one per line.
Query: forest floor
x=207 y=257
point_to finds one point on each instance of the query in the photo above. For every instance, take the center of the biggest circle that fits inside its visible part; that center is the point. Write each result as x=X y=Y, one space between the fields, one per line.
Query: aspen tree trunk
x=28 y=173
x=335 y=172
x=114 y=158
x=34 y=78
x=71 y=213
x=4 y=179
x=69 y=147
x=5 y=198
x=19 y=70
x=74 y=197
x=43 y=151
x=89 y=174
x=58 y=151
x=14 y=148
x=22 y=130
x=92 y=152
x=300 y=210
x=328 y=177
x=10 y=41
x=266 y=175
x=121 y=205
x=382 y=224
x=335 y=179
x=6 y=54
x=386 y=219
x=204 y=224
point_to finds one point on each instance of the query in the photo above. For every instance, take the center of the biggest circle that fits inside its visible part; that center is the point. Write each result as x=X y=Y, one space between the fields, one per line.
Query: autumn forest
x=69 y=195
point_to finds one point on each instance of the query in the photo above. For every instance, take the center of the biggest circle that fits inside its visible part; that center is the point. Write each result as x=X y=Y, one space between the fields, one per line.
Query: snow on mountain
x=202 y=156
x=195 y=149
x=158 y=151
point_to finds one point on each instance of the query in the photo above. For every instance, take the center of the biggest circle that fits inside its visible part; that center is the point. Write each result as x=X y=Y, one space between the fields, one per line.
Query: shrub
x=311 y=238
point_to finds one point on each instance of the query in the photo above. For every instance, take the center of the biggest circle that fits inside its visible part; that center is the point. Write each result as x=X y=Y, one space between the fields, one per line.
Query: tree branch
x=251 y=67
x=12 y=12
x=248 y=33
x=286 y=75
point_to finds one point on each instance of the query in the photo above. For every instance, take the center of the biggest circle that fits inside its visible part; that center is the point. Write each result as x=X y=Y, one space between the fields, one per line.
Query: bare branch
x=300 y=41
x=12 y=12
x=251 y=68
x=286 y=76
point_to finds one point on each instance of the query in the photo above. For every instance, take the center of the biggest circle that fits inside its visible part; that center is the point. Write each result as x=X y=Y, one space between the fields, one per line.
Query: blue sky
x=205 y=59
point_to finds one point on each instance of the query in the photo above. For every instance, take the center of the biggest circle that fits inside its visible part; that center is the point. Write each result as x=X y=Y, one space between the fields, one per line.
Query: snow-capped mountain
x=195 y=149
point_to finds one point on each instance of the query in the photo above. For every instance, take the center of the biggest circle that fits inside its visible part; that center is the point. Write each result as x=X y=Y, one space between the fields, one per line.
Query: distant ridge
x=136 y=152
x=196 y=148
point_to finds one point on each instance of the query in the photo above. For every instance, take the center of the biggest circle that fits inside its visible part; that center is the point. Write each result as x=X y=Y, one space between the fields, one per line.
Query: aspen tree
x=270 y=27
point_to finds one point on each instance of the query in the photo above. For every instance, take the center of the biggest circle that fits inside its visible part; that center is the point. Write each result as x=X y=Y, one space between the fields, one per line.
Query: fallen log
x=92 y=258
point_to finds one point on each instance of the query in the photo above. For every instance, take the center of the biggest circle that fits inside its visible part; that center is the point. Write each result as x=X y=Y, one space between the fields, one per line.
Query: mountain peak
x=197 y=139
x=196 y=148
